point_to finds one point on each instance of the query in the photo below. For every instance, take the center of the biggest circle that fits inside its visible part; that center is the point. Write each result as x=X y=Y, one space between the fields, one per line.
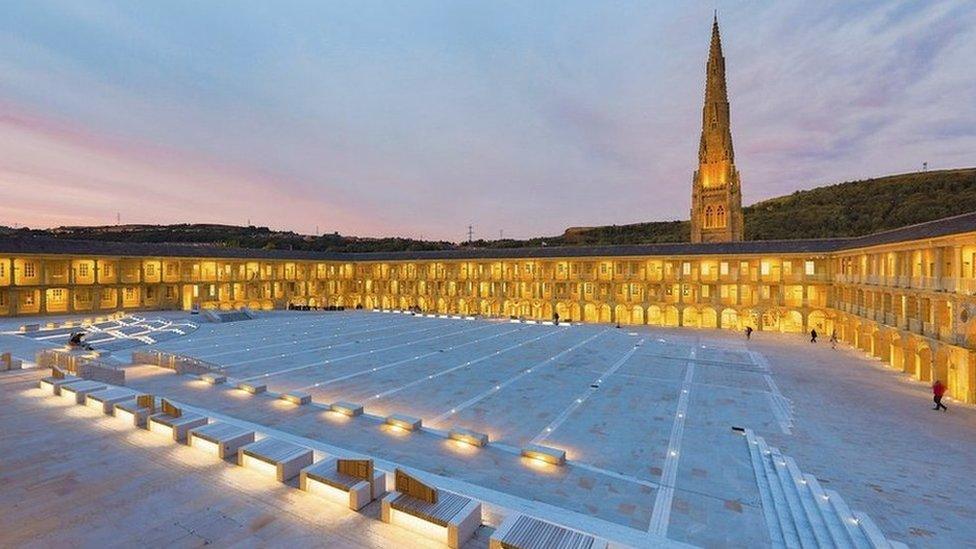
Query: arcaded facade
x=905 y=296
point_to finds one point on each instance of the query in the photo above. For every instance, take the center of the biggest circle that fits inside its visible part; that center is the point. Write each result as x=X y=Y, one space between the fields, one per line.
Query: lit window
x=29 y=270
x=724 y=268
x=1 y=270
x=150 y=270
x=764 y=268
x=686 y=268
x=809 y=268
x=705 y=290
x=83 y=269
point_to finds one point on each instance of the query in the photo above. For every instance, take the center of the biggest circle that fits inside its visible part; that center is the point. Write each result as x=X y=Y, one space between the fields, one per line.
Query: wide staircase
x=802 y=514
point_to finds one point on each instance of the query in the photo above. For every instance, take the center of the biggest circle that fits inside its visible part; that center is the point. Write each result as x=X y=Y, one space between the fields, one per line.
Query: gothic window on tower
x=709 y=217
x=720 y=216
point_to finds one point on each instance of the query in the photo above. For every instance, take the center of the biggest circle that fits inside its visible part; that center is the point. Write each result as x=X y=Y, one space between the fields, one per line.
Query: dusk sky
x=420 y=118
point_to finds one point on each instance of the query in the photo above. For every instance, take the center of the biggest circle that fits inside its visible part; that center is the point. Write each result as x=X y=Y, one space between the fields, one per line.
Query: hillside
x=846 y=209
x=852 y=208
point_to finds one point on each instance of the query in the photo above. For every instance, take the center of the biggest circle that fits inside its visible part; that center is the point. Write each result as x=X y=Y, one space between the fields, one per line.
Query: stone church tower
x=716 y=198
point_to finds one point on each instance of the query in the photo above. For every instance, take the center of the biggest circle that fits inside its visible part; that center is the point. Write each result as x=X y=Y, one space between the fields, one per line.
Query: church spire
x=716 y=205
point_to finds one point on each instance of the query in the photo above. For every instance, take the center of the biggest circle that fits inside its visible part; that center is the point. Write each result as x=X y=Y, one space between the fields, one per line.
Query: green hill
x=846 y=209
x=852 y=208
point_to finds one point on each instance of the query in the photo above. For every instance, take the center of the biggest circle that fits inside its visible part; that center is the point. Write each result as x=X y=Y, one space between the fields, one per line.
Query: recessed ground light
x=738 y=429
x=594 y=386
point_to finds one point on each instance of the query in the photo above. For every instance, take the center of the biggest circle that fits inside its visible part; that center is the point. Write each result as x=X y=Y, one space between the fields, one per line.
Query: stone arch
x=708 y=318
x=670 y=316
x=590 y=313
x=545 y=311
x=637 y=315
x=940 y=365
x=690 y=318
x=654 y=315
x=605 y=313
x=575 y=311
x=896 y=351
x=923 y=362
x=791 y=321
x=622 y=314
x=821 y=322
x=730 y=319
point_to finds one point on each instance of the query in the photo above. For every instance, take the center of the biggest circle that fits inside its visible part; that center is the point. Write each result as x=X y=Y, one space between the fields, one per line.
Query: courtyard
x=656 y=423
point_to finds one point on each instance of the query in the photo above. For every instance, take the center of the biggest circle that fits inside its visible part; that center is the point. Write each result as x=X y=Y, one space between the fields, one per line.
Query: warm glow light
x=263 y=467
x=204 y=445
x=419 y=526
x=326 y=491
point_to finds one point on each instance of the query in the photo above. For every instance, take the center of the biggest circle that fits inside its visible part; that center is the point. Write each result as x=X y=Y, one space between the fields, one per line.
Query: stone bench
x=297 y=397
x=76 y=392
x=444 y=516
x=213 y=379
x=220 y=439
x=277 y=458
x=52 y=385
x=407 y=423
x=106 y=399
x=173 y=422
x=467 y=436
x=554 y=456
x=347 y=408
x=8 y=362
x=523 y=532
x=352 y=482
x=253 y=388
x=137 y=411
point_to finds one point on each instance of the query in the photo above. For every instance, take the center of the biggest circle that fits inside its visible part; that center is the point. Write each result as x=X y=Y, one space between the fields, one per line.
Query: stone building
x=906 y=296
x=716 y=195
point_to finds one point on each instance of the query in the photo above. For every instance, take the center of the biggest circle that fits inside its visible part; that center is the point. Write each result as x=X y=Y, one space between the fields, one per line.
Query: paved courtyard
x=653 y=420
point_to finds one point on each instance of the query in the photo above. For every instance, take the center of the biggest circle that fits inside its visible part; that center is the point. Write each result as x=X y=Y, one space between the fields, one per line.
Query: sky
x=421 y=118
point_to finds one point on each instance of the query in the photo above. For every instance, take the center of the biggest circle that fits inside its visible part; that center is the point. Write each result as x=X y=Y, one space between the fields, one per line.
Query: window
x=29 y=270
x=809 y=268
x=1 y=270
x=723 y=268
x=83 y=269
x=107 y=271
x=720 y=216
x=744 y=267
x=57 y=295
x=709 y=217
x=686 y=268
x=705 y=290
x=171 y=269
x=3 y=299
x=764 y=268
x=150 y=270
x=128 y=293
x=29 y=299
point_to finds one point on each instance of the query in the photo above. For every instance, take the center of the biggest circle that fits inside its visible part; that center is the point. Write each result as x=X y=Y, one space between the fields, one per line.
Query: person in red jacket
x=938 y=390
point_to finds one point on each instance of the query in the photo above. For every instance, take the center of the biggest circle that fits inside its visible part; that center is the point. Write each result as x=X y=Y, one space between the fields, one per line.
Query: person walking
x=748 y=332
x=938 y=391
x=833 y=339
x=813 y=336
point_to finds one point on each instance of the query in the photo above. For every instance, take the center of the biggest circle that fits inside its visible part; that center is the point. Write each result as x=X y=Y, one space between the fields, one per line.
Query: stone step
x=837 y=531
x=803 y=514
x=847 y=518
x=765 y=492
x=781 y=508
x=810 y=509
x=804 y=529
